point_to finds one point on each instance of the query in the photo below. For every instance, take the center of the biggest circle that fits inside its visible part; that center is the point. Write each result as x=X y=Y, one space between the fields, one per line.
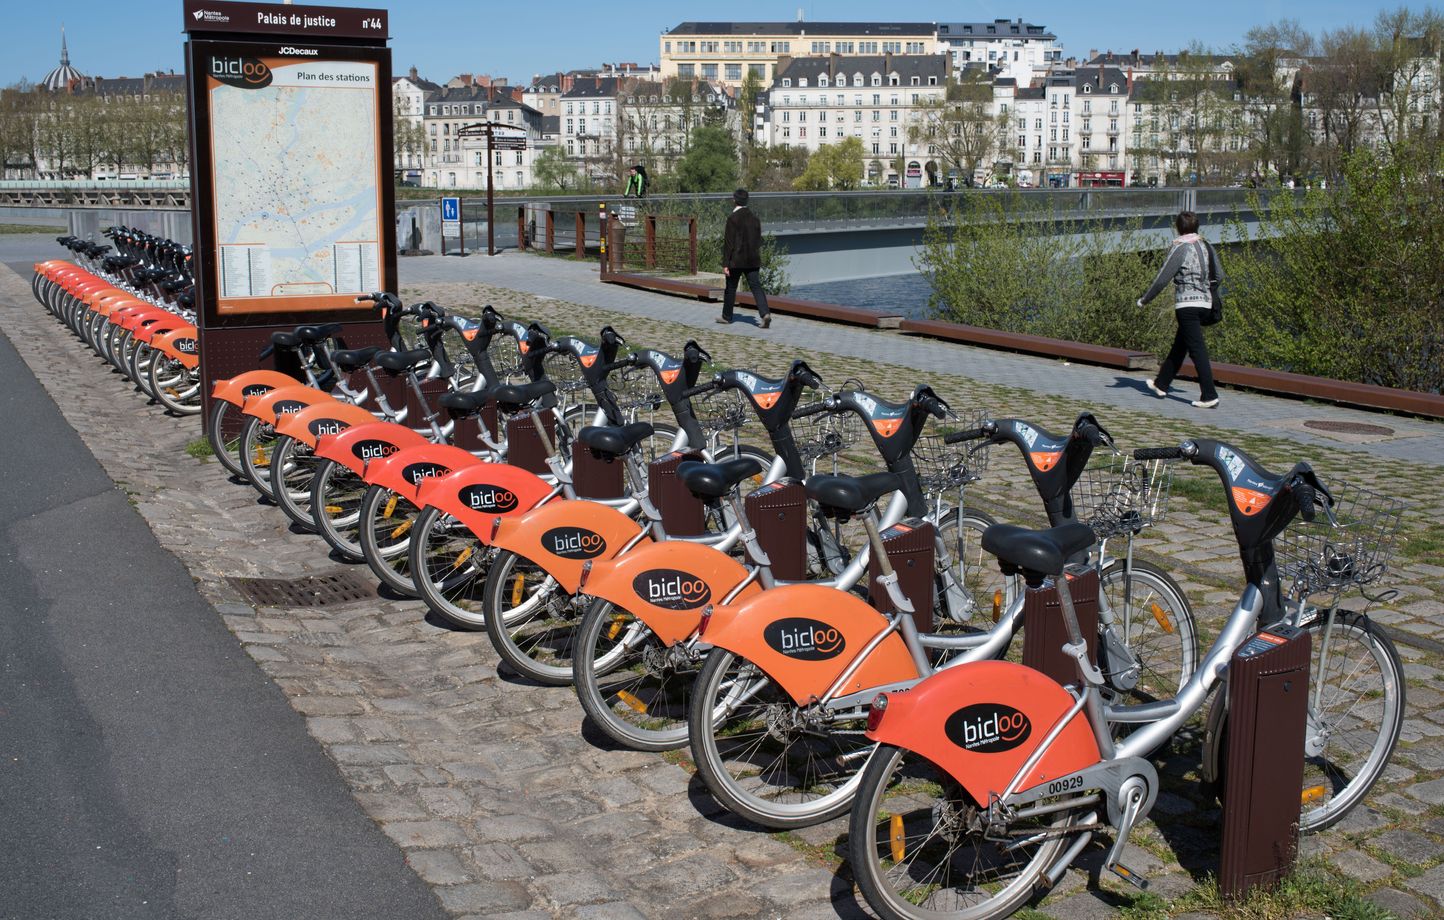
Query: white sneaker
x=1161 y=394
x=1205 y=403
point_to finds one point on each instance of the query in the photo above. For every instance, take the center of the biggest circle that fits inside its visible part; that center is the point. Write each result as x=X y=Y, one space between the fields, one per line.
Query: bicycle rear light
x=875 y=714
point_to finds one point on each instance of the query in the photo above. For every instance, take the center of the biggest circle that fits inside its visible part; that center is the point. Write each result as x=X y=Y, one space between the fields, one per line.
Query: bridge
x=829 y=236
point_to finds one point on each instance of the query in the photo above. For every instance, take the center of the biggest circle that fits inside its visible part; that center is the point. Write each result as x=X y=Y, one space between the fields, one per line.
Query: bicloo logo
x=255 y=389
x=804 y=639
x=373 y=450
x=671 y=589
x=487 y=497
x=987 y=728
x=321 y=427
x=289 y=406
x=414 y=473
x=242 y=72
x=188 y=346
x=573 y=543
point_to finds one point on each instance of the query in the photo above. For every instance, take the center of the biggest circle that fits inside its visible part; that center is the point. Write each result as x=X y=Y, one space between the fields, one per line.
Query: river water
x=905 y=295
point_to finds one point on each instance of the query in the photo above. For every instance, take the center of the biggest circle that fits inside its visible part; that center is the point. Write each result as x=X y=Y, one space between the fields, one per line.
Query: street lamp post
x=507 y=138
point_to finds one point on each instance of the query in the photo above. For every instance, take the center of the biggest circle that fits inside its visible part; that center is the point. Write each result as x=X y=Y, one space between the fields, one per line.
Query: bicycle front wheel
x=633 y=687
x=336 y=495
x=530 y=620
x=1356 y=713
x=919 y=850
x=1153 y=619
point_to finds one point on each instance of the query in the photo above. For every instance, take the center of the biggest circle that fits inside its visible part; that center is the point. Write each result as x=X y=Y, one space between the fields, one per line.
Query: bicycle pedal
x=1128 y=875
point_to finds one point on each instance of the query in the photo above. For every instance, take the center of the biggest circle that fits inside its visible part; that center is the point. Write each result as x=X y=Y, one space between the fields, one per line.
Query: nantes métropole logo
x=804 y=639
x=241 y=72
x=987 y=728
x=671 y=589
x=573 y=543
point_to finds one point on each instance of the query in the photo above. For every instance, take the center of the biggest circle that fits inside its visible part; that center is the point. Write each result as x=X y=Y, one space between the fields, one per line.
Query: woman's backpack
x=1215 y=313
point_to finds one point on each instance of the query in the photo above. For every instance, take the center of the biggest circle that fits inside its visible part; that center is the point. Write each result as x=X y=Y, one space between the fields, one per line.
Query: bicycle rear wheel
x=224 y=433
x=293 y=465
x=258 y=441
x=336 y=495
x=384 y=533
x=449 y=565
x=633 y=687
x=530 y=620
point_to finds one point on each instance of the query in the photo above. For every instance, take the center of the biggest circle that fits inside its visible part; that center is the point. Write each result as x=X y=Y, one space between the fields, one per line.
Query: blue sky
x=445 y=37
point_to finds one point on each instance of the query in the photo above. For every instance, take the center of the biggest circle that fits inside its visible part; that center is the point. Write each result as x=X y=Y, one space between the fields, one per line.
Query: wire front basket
x=505 y=357
x=721 y=410
x=825 y=434
x=565 y=371
x=942 y=466
x=1122 y=495
x=636 y=388
x=1320 y=556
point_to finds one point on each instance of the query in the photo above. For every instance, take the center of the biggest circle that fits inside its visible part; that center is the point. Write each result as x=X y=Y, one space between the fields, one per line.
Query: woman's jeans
x=1189 y=341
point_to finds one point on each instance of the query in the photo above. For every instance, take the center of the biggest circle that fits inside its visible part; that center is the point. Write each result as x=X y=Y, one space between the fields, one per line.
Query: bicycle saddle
x=317 y=333
x=850 y=494
x=285 y=339
x=1041 y=551
x=355 y=358
x=512 y=396
x=398 y=361
x=464 y=402
x=614 y=440
x=714 y=480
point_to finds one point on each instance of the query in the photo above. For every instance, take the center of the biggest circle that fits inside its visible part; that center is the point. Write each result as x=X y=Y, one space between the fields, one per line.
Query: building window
x=786 y=81
x=733 y=71
x=709 y=71
x=686 y=71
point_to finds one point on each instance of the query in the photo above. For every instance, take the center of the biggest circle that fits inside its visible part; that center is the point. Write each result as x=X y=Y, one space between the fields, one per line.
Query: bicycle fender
x=478 y=494
x=283 y=401
x=150 y=327
x=982 y=721
x=360 y=444
x=93 y=298
x=805 y=636
x=404 y=471
x=179 y=344
x=561 y=536
x=140 y=316
x=667 y=585
x=109 y=302
x=313 y=422
x=241 y=387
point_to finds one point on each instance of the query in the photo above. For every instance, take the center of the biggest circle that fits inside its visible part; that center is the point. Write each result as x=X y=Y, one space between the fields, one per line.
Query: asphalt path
x=148 y=768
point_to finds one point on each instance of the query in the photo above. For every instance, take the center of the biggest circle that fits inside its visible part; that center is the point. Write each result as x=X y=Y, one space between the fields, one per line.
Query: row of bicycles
x=818 y=616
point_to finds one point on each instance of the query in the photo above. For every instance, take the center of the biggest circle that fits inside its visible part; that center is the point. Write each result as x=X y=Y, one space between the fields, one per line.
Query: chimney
x=412 y=74
x=1092 y=53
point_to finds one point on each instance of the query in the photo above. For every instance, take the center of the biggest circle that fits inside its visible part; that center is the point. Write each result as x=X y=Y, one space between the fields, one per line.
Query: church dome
x=63 y=77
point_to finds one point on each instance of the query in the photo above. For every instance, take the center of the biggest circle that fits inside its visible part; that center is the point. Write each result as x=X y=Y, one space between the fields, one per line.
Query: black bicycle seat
x=465 y=402
x=850 y=494
x=399 y=361
x=512 y=396
x=714 y=480
x=355 y=358
x=614 y=440
x=285 y=339
x=317 y=333
x=1041 y=551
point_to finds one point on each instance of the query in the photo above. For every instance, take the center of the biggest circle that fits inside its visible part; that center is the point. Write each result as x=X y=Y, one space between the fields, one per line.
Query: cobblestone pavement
x=503 y=800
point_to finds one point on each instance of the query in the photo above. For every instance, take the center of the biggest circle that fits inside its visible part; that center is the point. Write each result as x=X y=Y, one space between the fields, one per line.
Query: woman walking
x=1192 y=265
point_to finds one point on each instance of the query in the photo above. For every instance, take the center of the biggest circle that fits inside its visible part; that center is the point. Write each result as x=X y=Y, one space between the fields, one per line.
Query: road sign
x=450 y=209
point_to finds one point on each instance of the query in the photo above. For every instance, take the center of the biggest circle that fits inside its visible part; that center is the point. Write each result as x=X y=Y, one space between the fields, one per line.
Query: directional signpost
x=498 y=137
x=451 y=223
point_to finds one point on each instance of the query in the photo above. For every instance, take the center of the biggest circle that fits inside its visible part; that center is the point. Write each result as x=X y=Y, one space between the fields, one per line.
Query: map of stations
x=295 y=187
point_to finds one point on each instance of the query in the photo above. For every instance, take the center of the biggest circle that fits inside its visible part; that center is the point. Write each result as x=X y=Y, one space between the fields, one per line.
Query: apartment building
x=454 y=161
x=1014 y=49
x=724 y=52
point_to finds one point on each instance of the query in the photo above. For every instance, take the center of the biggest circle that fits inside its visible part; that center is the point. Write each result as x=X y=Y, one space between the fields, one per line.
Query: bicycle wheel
x=258 y=441
x=765 y=758
x=139 y=367
x=634 y=688
x=529 y=619
x=384 y=532
x=224 y=433
x=449 y=565
x=293 y=466
x=336 y=495
x=919 y=852
x=1154 y=620
x=968 y=587
x=177 y=387
x=1356 y=713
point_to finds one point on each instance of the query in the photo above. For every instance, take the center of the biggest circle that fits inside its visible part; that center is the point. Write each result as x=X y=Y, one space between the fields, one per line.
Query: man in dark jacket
x=742 y=255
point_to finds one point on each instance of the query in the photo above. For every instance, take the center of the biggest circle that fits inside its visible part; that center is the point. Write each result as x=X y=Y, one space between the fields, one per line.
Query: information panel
x=294 y=153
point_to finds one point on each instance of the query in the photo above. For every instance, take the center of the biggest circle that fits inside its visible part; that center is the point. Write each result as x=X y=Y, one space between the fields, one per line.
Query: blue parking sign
x=451 y=209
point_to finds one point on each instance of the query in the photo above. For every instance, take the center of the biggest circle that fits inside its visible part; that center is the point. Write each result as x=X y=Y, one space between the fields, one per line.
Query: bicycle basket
x=825 y=434
x=505 y=357
x=564 y=371
x=1319 y=556
x=942 y=466
x=635 y=388
x=721 y=410
x=1122 y=495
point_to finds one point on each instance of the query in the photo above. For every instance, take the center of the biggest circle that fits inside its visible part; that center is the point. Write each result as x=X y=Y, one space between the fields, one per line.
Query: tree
x=1341 y=87
x=833 y=166
x=553 y=168
x=1408 y=46
x=770 y=169
x=1272 y=124
x=710 y=164
x=961 y=124
x=747 y=102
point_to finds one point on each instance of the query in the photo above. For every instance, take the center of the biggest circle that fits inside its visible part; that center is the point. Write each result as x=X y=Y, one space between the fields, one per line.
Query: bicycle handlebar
x=972 y=434
x=628 y=361
x=811 y=410
x=699 y=389
x=1304 y=495
x=1158 y=453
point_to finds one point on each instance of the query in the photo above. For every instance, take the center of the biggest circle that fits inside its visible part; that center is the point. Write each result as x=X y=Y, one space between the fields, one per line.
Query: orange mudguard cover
x=360 y=444
x=667 y=585
x=94 y=297
x=111 y=305
x=561 y=536
x=150 y=327
x=321 y=419
x=179 y=344
x=477 y=495
x=804 y=637
x=283 y=401
x=241 y=387
x=135 y=317
x=404 y=471
x=981 y=721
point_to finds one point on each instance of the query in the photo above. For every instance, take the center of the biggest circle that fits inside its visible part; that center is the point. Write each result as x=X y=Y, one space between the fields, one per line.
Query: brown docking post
x=691 y=245
x=651 y=236
x=551 y=232
x=521 y=240
x=581 y=234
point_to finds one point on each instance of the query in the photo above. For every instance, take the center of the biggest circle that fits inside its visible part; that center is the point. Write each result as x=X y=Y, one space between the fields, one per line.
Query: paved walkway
x=576 y=282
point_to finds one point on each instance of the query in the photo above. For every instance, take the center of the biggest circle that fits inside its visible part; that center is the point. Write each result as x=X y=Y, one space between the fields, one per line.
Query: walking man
x=1192 y=265
x=742 y=255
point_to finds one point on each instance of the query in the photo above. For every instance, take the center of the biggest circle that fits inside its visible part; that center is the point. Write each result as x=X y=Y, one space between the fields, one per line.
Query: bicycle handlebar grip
x=810 y=410
x=618 y=364
x=1304 y=495
x=958 y=437
x=1158 y=453
x=699 y=389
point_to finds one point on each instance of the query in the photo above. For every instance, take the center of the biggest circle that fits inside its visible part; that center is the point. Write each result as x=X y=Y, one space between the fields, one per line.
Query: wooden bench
x=1338 y=391
x=1029 y=344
